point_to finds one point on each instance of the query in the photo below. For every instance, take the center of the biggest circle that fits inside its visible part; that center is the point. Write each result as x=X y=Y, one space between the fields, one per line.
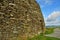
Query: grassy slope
x=49 y=30
x=40 y=37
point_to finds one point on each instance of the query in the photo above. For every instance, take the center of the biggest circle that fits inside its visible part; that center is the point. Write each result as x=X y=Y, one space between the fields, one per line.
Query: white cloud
x=53 y=15
x=53 y=18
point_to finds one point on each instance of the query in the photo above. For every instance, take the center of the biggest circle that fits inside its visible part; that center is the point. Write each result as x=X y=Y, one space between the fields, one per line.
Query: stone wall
x=19 y=19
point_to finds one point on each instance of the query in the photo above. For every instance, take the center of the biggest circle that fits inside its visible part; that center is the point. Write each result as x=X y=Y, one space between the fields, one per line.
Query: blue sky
x=51 y=11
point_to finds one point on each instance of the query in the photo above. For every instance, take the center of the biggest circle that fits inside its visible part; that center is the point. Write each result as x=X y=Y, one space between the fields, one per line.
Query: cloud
x=53 y=15
x=53 y=18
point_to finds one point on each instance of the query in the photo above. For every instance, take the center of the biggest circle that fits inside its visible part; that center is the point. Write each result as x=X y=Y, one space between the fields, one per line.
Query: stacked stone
x=19 y=18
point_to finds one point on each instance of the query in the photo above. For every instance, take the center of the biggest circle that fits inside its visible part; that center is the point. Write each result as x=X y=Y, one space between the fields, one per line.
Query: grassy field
x=49 y=30
x=40 y=37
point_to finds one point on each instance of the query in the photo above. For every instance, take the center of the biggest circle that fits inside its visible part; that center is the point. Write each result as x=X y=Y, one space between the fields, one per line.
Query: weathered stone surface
x=20 y=19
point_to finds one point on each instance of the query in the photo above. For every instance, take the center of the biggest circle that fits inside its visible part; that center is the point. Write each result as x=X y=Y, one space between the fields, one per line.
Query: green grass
x=49 y=30
x=40 y=37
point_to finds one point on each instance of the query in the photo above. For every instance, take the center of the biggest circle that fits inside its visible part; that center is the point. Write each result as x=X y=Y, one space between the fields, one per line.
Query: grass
x=49 y=30
x=41 y=37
